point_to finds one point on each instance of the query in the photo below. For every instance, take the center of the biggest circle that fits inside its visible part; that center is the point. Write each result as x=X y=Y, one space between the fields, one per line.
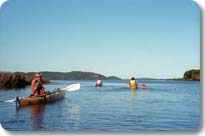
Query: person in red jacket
x=37 y=85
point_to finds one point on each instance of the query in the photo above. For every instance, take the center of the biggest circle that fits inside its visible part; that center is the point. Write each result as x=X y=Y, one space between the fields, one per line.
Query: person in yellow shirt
x=133 y=83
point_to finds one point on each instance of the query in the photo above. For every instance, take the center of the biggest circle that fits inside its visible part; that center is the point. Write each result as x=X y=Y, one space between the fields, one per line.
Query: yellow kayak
x=41 y=99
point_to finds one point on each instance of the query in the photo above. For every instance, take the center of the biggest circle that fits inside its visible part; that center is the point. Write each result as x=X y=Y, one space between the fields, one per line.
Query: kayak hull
x=100 y=85
x=41 y=99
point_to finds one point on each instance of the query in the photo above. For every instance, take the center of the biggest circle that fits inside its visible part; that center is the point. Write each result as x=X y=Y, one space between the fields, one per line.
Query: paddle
x=12 y=100
x=72 y=87
x=143 y=86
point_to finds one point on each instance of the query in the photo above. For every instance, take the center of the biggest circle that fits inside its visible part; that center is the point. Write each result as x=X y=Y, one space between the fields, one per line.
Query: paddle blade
x=143 y=86
x=72 y=87
x=12 y=100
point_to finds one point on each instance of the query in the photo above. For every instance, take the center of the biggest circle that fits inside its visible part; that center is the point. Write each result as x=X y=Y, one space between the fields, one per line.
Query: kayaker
x=37 y=85
x=98 y=83
x=133 y=83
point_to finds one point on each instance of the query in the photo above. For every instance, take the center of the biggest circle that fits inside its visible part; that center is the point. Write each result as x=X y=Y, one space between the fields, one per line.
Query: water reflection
x=133 y=99
x=73 y=115
x=37 y=116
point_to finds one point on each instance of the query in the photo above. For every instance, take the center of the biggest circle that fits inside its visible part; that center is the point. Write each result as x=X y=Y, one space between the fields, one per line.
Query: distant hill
x=10 y=80
x=113 y=78
x=146 y=78
x=74 y=75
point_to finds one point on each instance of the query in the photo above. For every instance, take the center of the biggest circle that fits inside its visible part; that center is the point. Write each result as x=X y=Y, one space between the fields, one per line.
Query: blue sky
x=141 y=38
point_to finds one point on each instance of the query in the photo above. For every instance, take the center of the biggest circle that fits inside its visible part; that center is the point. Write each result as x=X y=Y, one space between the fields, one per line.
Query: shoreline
x=181 y=79
x=19 y=80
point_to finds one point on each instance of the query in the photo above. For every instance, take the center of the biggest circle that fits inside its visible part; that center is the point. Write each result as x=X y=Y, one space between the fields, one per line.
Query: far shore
x=182 y=79
x=17 y=80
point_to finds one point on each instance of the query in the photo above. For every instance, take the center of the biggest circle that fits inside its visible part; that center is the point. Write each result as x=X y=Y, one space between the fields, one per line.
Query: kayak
x=41 y=99
x=100 y=85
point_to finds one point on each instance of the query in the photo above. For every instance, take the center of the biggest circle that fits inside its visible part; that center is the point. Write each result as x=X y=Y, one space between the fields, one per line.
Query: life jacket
x=38 y=85
x=133 y=84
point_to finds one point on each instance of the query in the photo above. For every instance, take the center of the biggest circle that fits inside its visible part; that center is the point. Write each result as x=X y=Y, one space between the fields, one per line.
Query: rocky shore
x=16 y=80
x=190 y=75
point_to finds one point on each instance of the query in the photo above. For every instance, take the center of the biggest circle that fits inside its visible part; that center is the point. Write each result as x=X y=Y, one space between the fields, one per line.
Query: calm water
x=164 y=105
